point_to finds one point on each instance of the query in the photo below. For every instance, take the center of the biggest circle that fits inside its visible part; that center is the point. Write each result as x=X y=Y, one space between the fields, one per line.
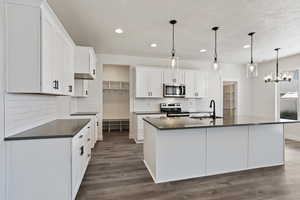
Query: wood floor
x=116 y=172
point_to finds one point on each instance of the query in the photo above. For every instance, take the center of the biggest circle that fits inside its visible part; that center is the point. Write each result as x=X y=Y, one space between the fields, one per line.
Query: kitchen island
x=183 y=148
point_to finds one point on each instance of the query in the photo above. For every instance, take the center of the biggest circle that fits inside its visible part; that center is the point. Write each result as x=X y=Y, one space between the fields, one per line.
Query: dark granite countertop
x=159 y=112
x=61 y=128
x=167 y=123
x=84 y=113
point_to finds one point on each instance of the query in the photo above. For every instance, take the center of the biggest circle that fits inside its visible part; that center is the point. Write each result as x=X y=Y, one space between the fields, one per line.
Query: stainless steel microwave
x=174 y=90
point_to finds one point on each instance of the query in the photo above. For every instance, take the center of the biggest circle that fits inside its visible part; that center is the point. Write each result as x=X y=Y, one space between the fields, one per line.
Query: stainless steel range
x=173 y=110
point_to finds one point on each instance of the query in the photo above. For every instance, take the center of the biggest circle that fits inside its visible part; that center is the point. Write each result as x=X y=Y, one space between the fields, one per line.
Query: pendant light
x=174 y=59
x=216 y=64
x=252 y=70
x=278 y=77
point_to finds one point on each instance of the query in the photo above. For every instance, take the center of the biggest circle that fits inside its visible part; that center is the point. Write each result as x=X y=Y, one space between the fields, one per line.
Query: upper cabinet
x=40 y=53
x=81 y=88
x=85 y=63
x=173 y=77
x=148 y=82
x=195 y=84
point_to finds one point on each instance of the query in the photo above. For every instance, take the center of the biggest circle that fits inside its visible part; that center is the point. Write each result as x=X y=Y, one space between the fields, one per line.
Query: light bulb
x=216 y=65
x=251 y=68
x=173 y=62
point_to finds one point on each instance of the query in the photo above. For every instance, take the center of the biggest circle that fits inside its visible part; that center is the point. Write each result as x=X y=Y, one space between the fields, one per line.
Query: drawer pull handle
x=89 y=139
x=81 y=150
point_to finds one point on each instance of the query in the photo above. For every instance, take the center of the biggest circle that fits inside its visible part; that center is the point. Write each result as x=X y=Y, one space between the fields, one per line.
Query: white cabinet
x=148 y=82
x=138 y=125
x=37 y=46
x=35 y=165
x=196 y=84
x=175 y=77
x=85 y=63
x=227 y=149
x=266 y=145
x=81 y=88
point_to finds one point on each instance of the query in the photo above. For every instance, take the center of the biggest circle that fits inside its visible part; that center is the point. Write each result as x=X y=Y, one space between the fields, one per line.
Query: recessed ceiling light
x=246 y=46
x=153 y=45
x=119 y=31
x=203 y=50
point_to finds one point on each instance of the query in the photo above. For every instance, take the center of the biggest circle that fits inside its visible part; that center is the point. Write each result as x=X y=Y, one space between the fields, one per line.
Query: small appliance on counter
x=174 y=91
x=173 y=110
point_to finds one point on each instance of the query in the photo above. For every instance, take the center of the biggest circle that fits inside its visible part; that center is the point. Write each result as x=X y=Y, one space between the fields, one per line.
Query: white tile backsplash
x=24 y=111
x=187 y=104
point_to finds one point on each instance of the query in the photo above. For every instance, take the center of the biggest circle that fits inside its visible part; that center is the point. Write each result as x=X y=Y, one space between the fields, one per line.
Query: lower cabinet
x=227 y=149
x=47 y=169
x=268 y=139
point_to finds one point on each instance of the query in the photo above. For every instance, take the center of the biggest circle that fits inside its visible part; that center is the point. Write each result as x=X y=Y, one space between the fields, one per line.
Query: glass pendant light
x=252 y=70
x=215 y=64
x=278 y=77
x=174 y=60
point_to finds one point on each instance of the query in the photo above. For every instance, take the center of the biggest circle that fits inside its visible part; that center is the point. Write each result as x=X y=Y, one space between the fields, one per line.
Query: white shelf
x=115 y=85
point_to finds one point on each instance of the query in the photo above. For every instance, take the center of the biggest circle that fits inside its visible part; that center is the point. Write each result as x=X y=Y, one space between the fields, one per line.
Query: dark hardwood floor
x=117 y=172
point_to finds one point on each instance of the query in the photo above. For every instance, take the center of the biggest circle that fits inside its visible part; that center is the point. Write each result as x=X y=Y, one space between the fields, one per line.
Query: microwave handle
x=182 y=90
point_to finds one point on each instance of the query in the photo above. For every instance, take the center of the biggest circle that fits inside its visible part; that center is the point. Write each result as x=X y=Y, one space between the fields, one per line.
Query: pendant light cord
x=251 y=49
x=215 y=53
x=173 y=41
x=277 y=65
x=251 y=35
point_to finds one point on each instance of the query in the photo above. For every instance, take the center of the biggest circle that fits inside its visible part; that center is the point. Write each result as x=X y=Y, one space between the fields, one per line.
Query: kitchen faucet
x=213 y=105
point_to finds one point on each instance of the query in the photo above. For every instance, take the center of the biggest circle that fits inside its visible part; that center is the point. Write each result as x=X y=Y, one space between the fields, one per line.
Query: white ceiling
x=92 y=22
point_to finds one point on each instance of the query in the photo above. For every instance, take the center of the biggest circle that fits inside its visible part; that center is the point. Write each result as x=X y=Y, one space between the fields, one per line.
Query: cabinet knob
x=94 y=71
x=80 y=136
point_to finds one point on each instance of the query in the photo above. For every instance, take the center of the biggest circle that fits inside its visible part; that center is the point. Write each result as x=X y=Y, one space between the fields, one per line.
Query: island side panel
x=44 y=163
x=266 y=145
x=150 y=154
x=181 y=154
x=227 y=149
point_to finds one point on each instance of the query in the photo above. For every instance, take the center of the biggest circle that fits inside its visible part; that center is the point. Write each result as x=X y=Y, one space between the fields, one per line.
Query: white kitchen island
x=183 y=148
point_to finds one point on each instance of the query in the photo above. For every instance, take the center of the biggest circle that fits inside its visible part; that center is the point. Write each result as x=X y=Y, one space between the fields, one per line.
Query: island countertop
x=60 y=128
x=167 y=123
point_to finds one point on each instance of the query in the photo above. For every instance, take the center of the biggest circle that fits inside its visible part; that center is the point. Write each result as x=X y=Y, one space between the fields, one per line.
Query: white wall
x=265 y=96
x=2 y=160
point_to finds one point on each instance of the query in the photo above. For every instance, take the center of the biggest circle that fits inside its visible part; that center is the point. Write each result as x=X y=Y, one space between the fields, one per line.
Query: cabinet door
x=155 y=86
x=48 y=83
x=85 y=88
x=59 y=67
x=200 y=87
x=227 y=149
x=141 y=85
x=93 y=62
x=173 y=77
x=81 y=88
x=266 y=145
x=190 y=84
x=68 y=68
